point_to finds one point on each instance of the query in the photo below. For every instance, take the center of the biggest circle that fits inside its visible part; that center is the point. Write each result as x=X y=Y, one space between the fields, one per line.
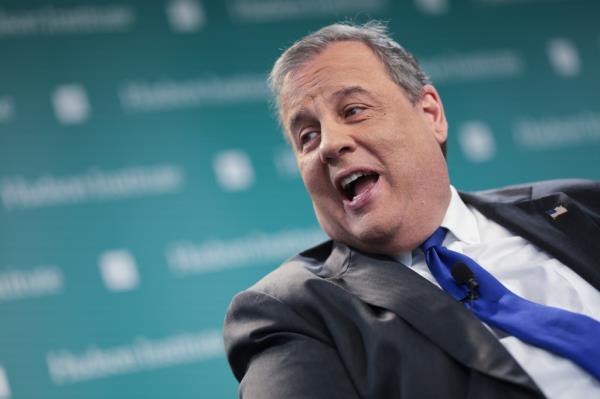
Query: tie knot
x=435 y=239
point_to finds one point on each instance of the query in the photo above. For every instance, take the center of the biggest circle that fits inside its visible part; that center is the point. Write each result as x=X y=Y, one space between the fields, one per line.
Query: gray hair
x=402 y=67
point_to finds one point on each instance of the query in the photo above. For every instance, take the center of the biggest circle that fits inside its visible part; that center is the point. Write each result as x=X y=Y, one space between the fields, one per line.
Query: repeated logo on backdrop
x=186 y=16
x=144 y=180
x=4 y=386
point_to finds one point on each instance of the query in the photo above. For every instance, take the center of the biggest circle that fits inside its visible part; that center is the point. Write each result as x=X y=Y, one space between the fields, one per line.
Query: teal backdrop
x=144 y=181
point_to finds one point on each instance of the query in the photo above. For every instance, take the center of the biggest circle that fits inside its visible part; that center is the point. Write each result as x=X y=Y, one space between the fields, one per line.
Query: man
x=358 y=316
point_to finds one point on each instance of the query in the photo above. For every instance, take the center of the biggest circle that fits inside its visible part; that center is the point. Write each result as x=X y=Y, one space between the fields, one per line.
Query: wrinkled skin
x=342 y=114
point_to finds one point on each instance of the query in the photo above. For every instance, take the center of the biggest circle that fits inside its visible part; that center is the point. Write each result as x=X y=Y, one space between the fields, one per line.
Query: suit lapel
x=385 y=283
x=571 y=237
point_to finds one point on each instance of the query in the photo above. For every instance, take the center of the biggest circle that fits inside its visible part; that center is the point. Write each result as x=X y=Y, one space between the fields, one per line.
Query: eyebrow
x=297 y=120
x=348 y=91
x=302 y=115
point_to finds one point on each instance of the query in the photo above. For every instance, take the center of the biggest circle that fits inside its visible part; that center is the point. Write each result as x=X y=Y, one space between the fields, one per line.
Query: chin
x=377 y=244
x=375 y=239
x=372 y=234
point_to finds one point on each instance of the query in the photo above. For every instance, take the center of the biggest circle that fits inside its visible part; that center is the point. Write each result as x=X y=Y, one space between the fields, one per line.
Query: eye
x=307 y=137
x=353 y=110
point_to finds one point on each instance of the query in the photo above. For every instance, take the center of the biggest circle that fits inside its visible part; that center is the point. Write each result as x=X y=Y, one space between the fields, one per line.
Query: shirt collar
x=406 y=258
x=459 y=221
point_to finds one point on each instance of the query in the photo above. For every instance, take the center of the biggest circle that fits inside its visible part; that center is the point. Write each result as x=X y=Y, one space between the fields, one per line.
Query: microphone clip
x=463 y=275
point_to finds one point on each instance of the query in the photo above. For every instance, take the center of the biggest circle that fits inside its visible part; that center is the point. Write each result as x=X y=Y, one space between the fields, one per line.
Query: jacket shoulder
x=292 y=276
x=295 y=287
x=578 y=189
x=280 y=327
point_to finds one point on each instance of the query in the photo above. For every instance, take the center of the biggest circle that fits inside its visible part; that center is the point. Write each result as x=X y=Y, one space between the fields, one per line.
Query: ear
x=431 y=105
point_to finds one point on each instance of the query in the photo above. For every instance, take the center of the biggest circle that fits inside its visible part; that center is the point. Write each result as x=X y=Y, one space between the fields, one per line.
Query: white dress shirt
x=531 y=273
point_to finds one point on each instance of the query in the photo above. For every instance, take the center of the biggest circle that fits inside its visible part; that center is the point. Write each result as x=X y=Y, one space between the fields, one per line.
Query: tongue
x=363 y=184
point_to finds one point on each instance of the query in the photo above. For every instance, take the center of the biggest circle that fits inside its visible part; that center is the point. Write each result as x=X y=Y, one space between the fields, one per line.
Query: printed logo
x=143 y=354
x=557 y=132
x=51 y=19
x=71 y=104
x=119 y=271
x=4 y=387
x=285 y=162
x=233 y=170
x=564 y=57
x=476 y=141
x=7 y=108
x=39 y=281
x=260 y=11
x=432 y=7
x=186 y=15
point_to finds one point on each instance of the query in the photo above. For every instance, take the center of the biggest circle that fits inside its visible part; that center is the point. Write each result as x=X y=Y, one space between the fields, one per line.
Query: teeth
x=349 y=179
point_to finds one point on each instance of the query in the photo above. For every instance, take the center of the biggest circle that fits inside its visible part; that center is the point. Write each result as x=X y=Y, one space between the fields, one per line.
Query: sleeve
x=276 y=353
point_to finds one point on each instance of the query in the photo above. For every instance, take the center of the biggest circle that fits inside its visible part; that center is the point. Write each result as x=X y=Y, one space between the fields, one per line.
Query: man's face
x=370 y=159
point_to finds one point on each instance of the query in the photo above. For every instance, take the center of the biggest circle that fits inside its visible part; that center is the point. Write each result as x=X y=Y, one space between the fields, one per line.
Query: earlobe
x=433 y=109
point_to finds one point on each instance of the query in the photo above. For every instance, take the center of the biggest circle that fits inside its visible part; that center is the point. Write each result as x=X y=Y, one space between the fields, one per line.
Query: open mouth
x=357 y=183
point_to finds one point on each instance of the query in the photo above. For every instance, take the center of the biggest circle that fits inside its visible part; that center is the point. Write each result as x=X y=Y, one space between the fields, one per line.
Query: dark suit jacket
x=333 y=322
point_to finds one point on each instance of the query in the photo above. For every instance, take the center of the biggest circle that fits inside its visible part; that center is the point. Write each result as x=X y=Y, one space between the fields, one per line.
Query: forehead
x=338 y=66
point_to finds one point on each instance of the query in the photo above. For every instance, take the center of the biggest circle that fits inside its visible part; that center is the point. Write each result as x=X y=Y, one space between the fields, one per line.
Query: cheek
x=313 y=175
x=311 y=182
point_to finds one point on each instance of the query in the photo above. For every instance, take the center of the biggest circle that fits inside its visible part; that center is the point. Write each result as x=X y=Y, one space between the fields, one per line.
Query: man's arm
x=276 y=353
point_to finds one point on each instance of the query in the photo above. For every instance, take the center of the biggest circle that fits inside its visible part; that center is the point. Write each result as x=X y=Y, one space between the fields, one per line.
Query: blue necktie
x=570 y=335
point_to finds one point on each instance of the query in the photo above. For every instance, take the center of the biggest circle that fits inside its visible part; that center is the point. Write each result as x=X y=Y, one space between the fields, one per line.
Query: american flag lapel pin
x=557 y=211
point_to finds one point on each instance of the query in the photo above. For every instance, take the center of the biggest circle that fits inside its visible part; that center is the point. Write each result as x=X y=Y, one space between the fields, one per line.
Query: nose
x=336 y=141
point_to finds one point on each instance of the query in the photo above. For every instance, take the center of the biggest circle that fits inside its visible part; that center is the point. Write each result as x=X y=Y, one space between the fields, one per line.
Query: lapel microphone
x=463 y=275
